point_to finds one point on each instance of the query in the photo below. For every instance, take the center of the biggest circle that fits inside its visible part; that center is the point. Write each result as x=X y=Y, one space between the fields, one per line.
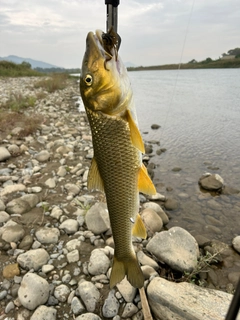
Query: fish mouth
x=106 y=44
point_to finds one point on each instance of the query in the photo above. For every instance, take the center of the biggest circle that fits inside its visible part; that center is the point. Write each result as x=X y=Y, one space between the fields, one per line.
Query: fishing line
x=178 y=69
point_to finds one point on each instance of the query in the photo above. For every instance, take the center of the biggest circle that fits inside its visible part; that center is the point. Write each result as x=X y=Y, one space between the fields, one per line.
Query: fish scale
x=118 y=163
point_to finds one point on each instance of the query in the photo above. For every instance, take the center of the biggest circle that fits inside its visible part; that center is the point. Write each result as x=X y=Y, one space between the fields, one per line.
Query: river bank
x=47 y=234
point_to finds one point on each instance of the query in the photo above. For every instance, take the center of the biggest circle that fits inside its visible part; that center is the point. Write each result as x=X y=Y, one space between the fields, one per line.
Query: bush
x=53 y=83
x=11 y=69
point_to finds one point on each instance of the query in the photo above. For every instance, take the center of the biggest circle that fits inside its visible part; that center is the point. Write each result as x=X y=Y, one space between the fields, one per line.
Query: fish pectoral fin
x=139 y=229
x=94 y=179
x=136 y=138
x=129 y=267
x=145 y=184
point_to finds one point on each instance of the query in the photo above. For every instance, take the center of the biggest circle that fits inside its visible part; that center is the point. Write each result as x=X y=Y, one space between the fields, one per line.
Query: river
x=199 y=115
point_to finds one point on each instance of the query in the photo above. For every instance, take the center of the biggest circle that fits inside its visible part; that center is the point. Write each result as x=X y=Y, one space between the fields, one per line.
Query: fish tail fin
x=130 y=268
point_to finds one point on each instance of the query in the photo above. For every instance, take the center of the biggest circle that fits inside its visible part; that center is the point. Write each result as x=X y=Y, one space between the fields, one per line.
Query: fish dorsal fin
x=94 y=178
x=145 y=184
x=138 y=229
x=136 y=138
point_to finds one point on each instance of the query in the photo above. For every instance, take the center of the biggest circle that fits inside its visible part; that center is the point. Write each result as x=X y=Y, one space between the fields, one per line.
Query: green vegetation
x=11 y=69
x=193 y=64
x=56 y=81
x=17 y=102
x=57 y=70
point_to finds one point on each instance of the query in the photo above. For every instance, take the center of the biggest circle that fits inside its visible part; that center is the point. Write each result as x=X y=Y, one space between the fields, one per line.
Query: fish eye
x=88 y=80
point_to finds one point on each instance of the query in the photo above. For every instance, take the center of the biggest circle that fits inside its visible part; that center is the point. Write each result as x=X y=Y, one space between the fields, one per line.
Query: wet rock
x=89 y=294
x=98 y=262
x=185 y=301
x=236 y=243
x=4 y=154
x=47 y=235
x=44 y=313
x=97 y=218
x=33 y=259
x=229 y=190
x=171 y=204
x=111 y=305
x=178 y=249
x=211 y=181
x=155 y=126
x=33 y=291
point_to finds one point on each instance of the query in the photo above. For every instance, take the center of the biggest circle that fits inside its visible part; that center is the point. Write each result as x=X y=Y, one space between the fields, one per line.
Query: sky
x=153 y=32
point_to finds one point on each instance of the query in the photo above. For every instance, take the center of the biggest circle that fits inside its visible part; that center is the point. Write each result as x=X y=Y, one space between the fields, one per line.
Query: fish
x=116 y=167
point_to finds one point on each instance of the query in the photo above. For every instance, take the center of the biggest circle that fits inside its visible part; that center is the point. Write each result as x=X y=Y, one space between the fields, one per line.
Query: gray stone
x=98 y=262
x=110 y=306
x=236 y=243
x=70 y=226
x=44 y=313
x=73 y=244
x=47 y=235
x=89 y=294
x=33 y=259
x=73 y=256
x=146 y=260
x=18 y=206
x=77 y=306
x=97 y=218
x=50 y=183
x=176 y=247
x=211 y=181
x=4 y=216
x=185 y=301
x=156 y=207
x=2 y=205
x=33 y=291
x=152 y=221
x=127 y=291
x=12 y=189
x=88 y=316
x=171 y=204
x=129 y=310
x=13 y=233
x=61 y=292
x=4 y=154
x=43 y=156
x=72 y=189
x=26 y=242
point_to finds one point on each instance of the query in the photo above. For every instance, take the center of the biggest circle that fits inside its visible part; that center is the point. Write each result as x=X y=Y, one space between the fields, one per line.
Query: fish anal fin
x=139 y=229
x=94 y=178
x=136 y=137
x=129 y=267
x=145 y=184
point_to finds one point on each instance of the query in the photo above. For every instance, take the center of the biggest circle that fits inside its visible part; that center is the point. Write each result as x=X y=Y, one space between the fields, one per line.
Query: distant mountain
x=34 y=63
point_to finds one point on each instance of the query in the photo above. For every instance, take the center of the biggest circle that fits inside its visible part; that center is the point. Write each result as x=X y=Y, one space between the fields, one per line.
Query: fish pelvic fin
x=136 y=137
x=145 y=184
x=130 y=268
x=139 y=229
x=94 y=179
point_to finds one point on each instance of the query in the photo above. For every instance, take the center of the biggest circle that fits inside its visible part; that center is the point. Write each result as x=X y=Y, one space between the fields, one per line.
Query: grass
x=17 y=102
x=10 y=69
x=53 y=83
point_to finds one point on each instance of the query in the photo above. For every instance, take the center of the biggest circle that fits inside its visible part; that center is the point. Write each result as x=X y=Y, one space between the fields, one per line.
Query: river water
x=199 y=115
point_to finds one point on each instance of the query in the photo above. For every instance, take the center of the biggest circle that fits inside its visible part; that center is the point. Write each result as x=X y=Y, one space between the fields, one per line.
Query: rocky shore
x=56 y=245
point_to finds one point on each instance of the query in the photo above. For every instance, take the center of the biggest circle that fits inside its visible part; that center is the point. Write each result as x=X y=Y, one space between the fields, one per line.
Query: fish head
x=104 y=83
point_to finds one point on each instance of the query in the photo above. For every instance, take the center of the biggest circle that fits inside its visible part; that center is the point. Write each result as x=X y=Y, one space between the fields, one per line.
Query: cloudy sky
x=153 y=32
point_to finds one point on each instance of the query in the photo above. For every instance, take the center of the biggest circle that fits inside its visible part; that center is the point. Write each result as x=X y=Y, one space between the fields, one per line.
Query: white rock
x=176 y=247
x=236 y=243
x=47 y=268
x=152 y=221
x=4 y=154
x=4 y=216
x=12 y=189
x=89 y=294
x=73 y=244
x=44 y=313
x=50 y=183
x=77 y=306
x=33 y=291
x=185 y=301
x=88 y=316
x=56 y=212
x=127 y=291
x=111 y=305
x=97 y=218
x=98 y=262
x=70 y=226
x=13 y=233
x=156 y=207
x=129 y=310
x=33 y=259
x=73 y=256
x=43 y=156
x=61 y=292
x=146 y=260
x=47 y=235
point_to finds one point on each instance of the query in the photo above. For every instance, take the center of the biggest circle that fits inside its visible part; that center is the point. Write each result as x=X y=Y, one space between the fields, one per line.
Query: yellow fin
x=136 y=138
x=138 y=229
x=145 y=184
x=94 y=178
x=129 y=267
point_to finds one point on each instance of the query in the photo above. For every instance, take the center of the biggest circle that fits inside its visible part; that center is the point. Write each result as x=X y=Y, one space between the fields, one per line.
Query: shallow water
x=199 y=115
